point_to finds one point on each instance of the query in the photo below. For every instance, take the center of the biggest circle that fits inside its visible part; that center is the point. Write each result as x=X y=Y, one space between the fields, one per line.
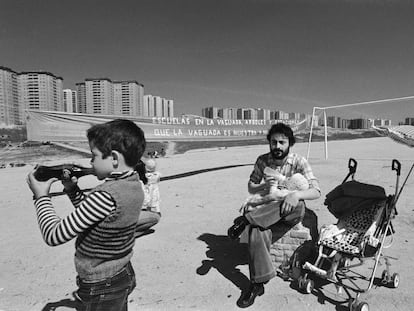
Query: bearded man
x=272 y=214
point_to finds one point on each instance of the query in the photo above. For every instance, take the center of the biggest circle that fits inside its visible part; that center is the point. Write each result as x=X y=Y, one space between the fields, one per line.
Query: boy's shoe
x=240 y=224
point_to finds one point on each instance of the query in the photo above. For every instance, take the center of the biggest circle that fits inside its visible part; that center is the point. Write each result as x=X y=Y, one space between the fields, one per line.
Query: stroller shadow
x=331 y=296
x=224 y=256
x=322 y=296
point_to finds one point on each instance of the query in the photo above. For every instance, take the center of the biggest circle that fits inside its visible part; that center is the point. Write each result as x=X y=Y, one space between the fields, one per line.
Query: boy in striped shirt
x=103 y=221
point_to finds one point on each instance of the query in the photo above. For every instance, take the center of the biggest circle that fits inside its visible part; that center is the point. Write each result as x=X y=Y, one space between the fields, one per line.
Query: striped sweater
x=104 y=222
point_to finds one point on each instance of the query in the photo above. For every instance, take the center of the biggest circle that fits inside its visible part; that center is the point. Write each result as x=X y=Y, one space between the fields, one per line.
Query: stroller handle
x=396 y=166
x=352 y=165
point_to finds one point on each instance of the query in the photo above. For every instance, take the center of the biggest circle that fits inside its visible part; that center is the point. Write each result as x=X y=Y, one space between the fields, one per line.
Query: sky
x=287 y=55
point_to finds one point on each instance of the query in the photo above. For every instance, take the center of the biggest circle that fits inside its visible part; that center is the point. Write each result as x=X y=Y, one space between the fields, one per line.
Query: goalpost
x=380 y=101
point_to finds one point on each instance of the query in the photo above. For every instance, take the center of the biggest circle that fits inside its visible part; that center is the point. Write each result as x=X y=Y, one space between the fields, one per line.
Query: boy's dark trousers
x=107 y=295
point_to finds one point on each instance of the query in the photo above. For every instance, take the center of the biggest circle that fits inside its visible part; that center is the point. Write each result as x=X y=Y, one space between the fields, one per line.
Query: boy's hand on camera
x=39 y=188
x=69 y=184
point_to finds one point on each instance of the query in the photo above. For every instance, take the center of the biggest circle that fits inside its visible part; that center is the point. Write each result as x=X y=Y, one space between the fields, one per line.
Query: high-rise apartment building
x=81 y=97
x=210 y=112
x=358 y=124
x=263 y=114
x=334 y=122
x=344 y=123
x=70 y=100
x=281 y=115
x=240 y=113
x=250 y=114
x=381 y=122
x=99 y=96
x=296 y=116
x=409 y=121
x=205 y=112
x=156 y=106
x=128 y=98
x=40 y=90
x=104 y=96
x=167 y=107
x=148 y=109
x=229 y=113
x=10 y=112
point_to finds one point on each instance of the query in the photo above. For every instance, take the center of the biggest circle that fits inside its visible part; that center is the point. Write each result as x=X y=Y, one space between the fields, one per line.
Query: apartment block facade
x=360 y=123
x=104 y=96
x=39 y=90
x=81 y=97
x=409 y=121
x=228 y=113
x=10 y=112
x=156 y=106
x=249 y=114
x=99 y=96
x=280 y=115
x=168 y=107
x=128 y=98
x=381 y=122
x=210 y=112
x=70 y=100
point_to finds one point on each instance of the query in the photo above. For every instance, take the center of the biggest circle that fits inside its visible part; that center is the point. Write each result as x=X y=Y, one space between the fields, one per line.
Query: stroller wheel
x=395 y=279
x=354 y=305
x=385 y=277
x=347 y=262
x=308 y=286
x=362 y=306
x=301 y=282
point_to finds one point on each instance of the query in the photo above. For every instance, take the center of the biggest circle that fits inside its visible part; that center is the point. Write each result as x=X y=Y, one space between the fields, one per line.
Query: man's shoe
x=238 y=227
x=247 y=298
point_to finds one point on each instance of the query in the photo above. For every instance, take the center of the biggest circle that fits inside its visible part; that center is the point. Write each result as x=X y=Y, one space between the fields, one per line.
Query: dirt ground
x=188 y=263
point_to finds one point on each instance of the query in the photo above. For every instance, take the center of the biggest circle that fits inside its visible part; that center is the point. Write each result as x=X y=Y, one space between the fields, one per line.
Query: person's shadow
x=225 y=255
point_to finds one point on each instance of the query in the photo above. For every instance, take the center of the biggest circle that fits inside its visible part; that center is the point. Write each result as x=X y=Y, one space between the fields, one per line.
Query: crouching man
x=262 y=220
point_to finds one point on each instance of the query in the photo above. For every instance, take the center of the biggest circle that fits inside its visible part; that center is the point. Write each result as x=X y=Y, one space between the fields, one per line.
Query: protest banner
x=65 y=127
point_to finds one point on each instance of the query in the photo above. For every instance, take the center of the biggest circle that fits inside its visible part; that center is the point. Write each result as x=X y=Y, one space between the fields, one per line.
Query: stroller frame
x=339 y=260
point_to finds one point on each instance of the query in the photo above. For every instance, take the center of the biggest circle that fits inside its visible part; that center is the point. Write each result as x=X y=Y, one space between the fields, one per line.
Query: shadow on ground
x=224 y=256
x=327 y=293
x=68 y=303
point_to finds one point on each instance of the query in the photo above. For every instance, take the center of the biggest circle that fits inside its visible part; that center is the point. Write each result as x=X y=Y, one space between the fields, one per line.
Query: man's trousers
x=262 y=221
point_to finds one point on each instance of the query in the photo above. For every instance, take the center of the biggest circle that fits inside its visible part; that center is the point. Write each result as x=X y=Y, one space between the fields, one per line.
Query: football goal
x=322 y=110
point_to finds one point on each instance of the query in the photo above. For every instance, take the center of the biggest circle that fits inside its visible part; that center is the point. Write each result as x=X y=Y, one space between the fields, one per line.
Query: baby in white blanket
x=283 y=186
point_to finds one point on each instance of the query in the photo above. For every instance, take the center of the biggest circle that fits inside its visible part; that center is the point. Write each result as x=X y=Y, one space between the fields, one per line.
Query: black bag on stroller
x=351 y=196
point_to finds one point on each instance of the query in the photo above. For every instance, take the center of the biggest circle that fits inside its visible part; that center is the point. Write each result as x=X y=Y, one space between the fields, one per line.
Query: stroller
x=364 y=214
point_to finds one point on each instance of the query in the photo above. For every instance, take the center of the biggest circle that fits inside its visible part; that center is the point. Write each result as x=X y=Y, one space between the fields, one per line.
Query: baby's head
x=150 y=166
x=297 y=182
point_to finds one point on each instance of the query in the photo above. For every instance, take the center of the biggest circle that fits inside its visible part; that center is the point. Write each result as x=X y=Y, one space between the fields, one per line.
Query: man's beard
x=279 y=154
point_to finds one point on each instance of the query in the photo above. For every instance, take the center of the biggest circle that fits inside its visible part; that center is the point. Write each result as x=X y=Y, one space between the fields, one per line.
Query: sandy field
x=188 y=263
